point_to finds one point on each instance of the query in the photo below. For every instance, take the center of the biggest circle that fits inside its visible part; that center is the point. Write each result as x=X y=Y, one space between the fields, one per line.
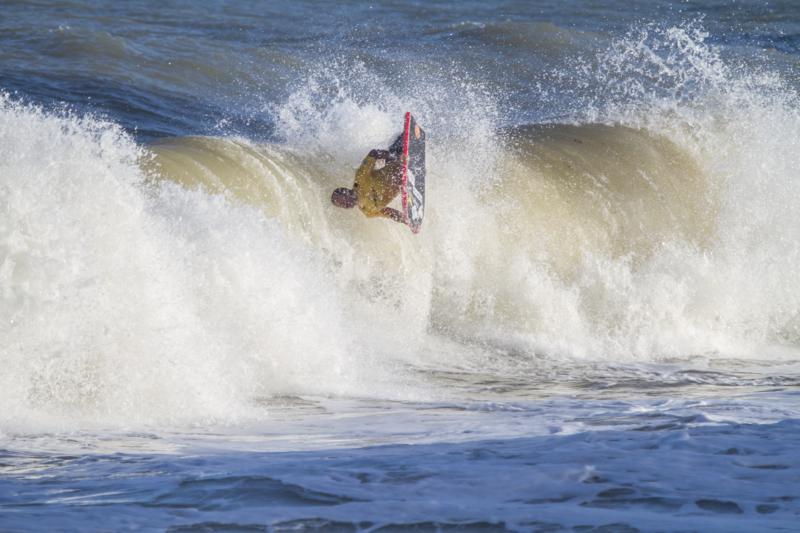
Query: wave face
x=193 y=278
x=632 y=229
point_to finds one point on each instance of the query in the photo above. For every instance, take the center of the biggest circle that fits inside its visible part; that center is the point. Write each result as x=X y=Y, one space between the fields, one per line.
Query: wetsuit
x=378 y=181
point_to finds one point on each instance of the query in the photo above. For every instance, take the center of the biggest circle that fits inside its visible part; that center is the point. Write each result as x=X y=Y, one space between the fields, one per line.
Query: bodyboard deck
x=413 y=185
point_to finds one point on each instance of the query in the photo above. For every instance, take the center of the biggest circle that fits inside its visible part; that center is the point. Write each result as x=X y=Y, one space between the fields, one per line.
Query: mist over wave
x=188 y=279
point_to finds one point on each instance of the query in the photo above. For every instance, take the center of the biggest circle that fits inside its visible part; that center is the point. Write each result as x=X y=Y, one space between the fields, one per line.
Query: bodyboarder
x=377 y=183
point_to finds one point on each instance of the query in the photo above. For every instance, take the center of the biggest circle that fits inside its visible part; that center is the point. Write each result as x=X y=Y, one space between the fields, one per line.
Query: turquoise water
x=597 y=328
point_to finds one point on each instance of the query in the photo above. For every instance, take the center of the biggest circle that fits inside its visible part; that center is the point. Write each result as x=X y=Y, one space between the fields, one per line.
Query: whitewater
x=597 y=328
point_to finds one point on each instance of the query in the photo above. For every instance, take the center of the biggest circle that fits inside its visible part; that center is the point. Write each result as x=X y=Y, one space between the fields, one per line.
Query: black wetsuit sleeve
x=396 y=148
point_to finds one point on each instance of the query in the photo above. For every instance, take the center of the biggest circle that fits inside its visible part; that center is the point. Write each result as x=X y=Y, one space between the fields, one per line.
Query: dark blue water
x=185 y=67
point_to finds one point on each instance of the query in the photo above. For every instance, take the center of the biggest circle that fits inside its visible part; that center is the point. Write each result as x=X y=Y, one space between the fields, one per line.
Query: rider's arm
x=380 y=154
x=396 y=148
x=394 y=214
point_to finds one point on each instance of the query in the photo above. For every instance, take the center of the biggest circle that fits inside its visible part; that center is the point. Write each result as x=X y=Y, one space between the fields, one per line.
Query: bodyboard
x=413 y=186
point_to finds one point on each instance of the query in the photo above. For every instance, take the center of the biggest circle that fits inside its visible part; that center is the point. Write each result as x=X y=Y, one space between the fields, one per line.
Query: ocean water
x=597 y=328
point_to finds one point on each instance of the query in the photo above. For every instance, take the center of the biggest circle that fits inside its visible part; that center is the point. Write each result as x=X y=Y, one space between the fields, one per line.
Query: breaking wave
x=189 y=278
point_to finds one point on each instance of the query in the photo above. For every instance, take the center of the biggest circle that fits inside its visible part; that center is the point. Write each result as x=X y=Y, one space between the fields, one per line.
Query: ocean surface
x=596 y=330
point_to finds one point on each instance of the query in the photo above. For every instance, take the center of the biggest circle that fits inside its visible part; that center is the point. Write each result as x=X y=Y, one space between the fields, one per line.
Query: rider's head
x=344 y=197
